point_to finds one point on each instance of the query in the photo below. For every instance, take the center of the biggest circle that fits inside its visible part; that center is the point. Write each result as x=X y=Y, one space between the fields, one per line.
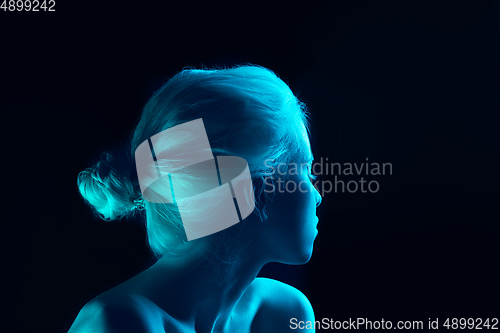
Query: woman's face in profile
x=292 y=213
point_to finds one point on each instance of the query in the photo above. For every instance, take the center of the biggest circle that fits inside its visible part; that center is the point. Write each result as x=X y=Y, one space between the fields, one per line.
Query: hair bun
x=108 y=187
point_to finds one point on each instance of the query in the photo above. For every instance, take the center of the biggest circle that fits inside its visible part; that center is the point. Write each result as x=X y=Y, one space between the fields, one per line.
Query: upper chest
x=243 y=319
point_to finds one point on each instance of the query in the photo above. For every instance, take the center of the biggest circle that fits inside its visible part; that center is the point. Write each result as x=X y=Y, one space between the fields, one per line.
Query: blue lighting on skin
x=210 y=284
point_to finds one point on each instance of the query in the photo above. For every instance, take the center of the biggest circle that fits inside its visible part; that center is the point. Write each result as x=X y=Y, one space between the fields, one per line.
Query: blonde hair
x=248 y=111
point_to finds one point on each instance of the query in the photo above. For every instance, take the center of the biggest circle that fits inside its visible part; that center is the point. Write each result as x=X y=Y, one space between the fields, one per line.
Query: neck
x=200 y=292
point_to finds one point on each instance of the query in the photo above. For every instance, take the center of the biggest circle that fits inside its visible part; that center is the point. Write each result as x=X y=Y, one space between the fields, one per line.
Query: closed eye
x=311 y=176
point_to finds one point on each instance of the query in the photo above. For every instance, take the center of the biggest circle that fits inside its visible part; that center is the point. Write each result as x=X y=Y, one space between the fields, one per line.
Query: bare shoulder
x=280 y=305
x=124 y=313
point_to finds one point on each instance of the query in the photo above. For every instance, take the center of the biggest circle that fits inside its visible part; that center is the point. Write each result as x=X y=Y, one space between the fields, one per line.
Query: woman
x=209 y=284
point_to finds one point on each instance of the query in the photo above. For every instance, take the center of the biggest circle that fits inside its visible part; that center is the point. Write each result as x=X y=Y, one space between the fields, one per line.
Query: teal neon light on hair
x=247 y=111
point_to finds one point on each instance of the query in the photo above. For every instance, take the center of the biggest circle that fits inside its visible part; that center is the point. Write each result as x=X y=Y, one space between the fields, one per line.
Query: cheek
x=297 y=201
x=305 y=193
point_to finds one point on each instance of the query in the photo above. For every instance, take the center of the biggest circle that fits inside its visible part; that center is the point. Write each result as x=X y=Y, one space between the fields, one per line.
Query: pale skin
x=185 y=296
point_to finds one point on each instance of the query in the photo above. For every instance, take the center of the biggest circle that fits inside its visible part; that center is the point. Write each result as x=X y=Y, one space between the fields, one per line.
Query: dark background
x=411 y=83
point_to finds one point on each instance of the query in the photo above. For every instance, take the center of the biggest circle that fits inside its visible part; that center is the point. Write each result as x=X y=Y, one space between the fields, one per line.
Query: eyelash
x=311 y=176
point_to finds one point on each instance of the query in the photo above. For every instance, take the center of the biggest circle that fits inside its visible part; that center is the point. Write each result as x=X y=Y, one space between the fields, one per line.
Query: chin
x=300 y=258
x=303 y=260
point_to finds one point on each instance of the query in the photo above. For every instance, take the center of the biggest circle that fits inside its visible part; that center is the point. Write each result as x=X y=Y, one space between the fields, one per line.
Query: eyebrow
x=305 y=158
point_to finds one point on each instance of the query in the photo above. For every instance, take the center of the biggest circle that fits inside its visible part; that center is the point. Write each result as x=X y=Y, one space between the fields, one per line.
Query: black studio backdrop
x=414 y=84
